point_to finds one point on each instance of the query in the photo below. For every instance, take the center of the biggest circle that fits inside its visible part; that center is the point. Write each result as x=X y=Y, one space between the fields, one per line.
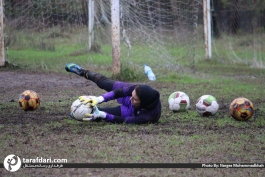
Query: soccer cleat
x=74 y=68
x=72 y=116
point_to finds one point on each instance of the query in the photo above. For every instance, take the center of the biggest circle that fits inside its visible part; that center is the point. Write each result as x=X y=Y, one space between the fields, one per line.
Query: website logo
x=12 y=163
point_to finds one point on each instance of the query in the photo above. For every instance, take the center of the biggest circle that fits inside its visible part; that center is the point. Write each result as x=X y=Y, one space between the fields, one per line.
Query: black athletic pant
x=104 y=83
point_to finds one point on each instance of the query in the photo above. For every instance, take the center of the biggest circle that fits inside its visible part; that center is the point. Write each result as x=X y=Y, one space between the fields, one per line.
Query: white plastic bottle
x=148 y=71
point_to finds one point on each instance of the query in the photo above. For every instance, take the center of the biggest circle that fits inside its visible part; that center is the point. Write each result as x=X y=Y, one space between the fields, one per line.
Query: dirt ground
x=57 y=91
x=52 y=88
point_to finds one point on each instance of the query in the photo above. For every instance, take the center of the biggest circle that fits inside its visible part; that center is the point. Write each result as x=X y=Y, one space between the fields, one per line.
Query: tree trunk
x=235 y=22
x=215 y=17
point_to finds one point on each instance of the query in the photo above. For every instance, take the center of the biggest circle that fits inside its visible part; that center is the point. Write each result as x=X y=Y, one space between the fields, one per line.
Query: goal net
x=47 y=34
x=238 y=32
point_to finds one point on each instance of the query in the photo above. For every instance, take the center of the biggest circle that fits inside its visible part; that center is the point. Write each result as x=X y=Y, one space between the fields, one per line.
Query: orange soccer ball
x=29 y=100
x=241 y=109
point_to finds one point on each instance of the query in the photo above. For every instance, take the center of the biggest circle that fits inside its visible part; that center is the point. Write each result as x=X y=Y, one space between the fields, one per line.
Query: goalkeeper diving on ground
x=139 y=103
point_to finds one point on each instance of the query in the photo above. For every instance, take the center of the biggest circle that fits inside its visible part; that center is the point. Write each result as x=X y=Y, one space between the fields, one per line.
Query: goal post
x=115 y=33
x=207 y=28
x=91 y=15
x=2 y=54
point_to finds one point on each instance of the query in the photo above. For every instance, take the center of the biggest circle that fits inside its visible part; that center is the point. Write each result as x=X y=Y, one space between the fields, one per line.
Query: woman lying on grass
x=139 y=104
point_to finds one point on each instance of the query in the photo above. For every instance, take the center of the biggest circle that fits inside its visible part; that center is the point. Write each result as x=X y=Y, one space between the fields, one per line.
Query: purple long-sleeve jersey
x=131 y=114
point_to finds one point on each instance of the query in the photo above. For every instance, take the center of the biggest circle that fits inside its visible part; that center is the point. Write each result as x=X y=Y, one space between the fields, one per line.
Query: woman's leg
x=102 y=81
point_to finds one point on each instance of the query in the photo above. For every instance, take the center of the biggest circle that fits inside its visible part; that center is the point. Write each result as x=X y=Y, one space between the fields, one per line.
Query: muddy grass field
x=186 y=137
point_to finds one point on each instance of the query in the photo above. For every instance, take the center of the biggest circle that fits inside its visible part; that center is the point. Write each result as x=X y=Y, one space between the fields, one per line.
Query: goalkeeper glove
x=91 y=99
x=96 y=114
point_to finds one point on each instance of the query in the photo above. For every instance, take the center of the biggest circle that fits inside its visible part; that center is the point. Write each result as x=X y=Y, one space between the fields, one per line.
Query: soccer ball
x=207 y=105
x=241 y=109
x=78 y=109
x=29 y=100
x=178 y=101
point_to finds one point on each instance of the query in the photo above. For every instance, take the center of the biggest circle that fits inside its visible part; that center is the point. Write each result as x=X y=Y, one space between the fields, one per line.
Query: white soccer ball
x=179 y=101
x=78 y=109
x=207 y=105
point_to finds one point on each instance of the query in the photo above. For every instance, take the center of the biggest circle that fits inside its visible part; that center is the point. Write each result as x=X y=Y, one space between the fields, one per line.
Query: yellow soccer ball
x=241 y=109
x=29 y=100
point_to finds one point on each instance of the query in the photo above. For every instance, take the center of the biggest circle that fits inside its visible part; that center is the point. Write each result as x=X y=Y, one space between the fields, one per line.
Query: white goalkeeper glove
x=91 y=99
x=96 y=114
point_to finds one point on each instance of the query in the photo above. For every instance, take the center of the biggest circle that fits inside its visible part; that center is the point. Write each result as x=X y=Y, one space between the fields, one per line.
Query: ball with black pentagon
x=29 y=100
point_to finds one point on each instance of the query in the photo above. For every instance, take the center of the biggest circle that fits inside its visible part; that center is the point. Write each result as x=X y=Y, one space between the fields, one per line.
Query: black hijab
x=148 y=96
